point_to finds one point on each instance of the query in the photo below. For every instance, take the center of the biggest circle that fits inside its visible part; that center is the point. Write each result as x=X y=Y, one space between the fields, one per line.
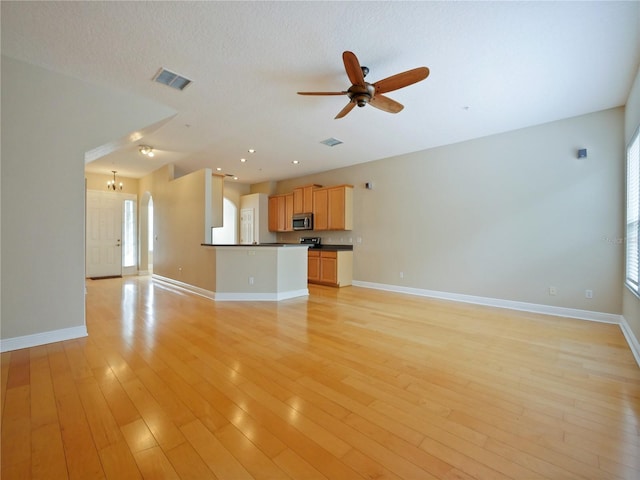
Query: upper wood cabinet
x=303 y=198
x=288 y=213
x=333 y=208
x=281 y=213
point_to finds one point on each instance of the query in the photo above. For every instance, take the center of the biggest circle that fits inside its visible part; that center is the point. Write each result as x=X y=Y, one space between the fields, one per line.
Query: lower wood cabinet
x=330 y=267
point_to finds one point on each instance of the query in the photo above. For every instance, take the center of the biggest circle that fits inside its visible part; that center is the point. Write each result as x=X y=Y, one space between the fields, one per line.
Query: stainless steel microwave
x=303 y=221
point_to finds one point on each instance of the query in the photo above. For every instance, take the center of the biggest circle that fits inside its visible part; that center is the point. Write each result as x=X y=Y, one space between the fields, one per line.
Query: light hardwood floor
x=348 y=384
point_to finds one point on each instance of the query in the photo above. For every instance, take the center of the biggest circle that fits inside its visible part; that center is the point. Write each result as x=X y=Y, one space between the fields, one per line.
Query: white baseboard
x=264 y=297
x=634 y=345
x=601 y=317
x=37 y=339
x=233 y=296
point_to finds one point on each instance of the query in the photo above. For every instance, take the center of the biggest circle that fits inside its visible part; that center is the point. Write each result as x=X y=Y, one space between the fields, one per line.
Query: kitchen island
x=273 y=271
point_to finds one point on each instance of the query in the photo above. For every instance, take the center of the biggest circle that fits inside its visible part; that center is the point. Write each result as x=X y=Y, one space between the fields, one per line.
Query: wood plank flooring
x=348 y=383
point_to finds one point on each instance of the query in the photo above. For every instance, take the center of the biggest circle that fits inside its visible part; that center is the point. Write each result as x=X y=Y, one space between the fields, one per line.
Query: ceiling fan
x=361 y=93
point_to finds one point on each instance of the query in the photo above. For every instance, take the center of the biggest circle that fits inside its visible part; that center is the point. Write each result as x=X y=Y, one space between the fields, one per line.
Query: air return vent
x=171 y=79
x=331 y=142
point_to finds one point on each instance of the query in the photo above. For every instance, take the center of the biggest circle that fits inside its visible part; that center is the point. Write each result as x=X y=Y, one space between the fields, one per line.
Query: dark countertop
x=332 y=247
x=252 y=245
x=326 y=247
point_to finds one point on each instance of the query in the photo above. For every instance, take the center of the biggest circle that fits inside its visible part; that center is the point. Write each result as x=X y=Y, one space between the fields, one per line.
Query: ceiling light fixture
x=112 y=185
x=146 y=150
x=251 y=150
x=295 y=162
x=243 y=160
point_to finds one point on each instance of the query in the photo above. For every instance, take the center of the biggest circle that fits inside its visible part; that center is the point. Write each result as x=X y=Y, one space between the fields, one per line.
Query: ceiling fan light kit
x=363 y=93
x=146 y=150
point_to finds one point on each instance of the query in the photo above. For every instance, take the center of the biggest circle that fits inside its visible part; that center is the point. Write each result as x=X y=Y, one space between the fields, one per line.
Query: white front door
x=104 y=234
x=246 y=226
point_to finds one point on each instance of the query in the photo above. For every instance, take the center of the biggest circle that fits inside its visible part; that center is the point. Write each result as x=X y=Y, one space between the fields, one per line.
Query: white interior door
x=104 y=234
x=247 y=227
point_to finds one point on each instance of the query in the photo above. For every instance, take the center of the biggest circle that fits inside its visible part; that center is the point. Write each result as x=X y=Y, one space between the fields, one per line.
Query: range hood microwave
x=303 y=221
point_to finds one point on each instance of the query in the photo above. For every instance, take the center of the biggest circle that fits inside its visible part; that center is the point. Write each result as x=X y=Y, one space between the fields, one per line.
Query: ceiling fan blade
x=322 y=93
x=401 y=80
x=353 y=69
x=386 y=104
x=346 y=110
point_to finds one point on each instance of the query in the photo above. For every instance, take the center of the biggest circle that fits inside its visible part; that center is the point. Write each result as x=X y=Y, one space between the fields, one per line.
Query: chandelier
x=112 y=185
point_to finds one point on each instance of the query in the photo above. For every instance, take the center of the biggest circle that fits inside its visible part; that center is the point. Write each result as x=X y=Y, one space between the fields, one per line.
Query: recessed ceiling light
x=218 y=169
x=243 y=160
x=235 y=178
x=295 y=162
x=251 y=150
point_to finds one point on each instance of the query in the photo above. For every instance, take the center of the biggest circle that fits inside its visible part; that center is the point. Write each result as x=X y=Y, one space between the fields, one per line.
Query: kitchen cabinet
x=281 y=213
x=303 y=198
x=333 y=208
x=313 y=266
x=288 y=213
x=273 y=214
x=330 y=267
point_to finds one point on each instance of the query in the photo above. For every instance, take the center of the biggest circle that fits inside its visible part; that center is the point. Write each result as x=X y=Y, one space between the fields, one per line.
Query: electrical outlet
x=250 y=280
x=588 y=294
x=401 y=274
x=553 y=291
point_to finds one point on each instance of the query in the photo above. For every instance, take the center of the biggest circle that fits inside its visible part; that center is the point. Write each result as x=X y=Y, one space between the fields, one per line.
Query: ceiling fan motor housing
x=361 y=94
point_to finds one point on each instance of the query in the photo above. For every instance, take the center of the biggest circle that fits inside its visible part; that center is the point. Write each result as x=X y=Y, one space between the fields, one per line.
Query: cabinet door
x=313 y=266
x=320 y=209
x=329 y=267
x=273 y=214
x=281 y=213
x=336 y=208
x=298 y=200
x=288 y=213
x=307 y=199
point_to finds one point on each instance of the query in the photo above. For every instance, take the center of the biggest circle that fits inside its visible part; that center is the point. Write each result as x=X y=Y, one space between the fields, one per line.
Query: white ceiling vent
x=171 y=79
x=331 y=142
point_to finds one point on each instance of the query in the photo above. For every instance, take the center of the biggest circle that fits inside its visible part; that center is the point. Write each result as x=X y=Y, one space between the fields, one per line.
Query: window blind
x=633 y=214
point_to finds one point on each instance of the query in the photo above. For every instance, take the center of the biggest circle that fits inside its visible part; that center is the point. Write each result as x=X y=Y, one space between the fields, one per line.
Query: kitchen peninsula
x=273 y=271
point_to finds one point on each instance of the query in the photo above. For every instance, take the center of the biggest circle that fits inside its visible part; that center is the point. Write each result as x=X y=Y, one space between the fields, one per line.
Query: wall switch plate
x=553 y=291
x=588 y=294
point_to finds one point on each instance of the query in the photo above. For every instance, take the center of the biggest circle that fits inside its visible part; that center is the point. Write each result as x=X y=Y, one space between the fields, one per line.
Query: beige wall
x=630 y=302
x=46 y=130
x=181 y=224
x=505 y=216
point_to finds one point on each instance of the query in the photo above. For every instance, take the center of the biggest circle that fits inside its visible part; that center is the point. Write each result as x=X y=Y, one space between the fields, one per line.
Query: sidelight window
x=633 y=214
x=129 y=234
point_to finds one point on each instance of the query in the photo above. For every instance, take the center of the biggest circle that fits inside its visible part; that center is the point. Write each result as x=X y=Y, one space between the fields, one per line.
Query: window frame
x=632 y=214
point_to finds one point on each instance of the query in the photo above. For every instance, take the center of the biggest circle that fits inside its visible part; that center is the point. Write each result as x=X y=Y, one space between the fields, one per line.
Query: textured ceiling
x=495 y=66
